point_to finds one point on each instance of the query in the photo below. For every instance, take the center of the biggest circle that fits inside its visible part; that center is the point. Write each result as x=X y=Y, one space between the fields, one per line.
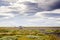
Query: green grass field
x=29 y=34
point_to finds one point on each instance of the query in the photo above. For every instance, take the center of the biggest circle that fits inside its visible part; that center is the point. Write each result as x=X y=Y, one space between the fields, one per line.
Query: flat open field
x=29 y=33
x=38 y=28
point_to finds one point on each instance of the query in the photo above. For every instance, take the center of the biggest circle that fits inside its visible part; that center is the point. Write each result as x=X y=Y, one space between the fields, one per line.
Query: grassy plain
x=30 y=33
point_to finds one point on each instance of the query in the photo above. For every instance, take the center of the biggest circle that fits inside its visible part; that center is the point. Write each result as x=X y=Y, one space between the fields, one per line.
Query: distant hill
x=30 y=28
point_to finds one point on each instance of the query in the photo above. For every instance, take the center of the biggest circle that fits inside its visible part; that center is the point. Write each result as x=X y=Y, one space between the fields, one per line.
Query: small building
x=20 y=27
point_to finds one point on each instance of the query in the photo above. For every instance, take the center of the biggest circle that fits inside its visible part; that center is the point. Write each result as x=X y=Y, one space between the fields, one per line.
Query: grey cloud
x=56 y=5
x=1 y=16
x=48 y=6
x=4 y=3
x=14 y=12
x=32 y=8
x=52 y=15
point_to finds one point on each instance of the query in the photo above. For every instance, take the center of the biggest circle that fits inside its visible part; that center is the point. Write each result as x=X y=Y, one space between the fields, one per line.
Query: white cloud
x=12 y=1
x=6 y=16
x=26 y=10
x=8 y=24
x=27 y=0
x=25 y=7
x=56 y=11
x=42 y=14
x=5 y=9
x=4 y=12
x=41 y=20
x=44 y=21
x=20 y=7
x=34 y=11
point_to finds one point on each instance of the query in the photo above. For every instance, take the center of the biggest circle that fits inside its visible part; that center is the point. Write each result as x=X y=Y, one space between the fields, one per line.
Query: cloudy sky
x=29 y=12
